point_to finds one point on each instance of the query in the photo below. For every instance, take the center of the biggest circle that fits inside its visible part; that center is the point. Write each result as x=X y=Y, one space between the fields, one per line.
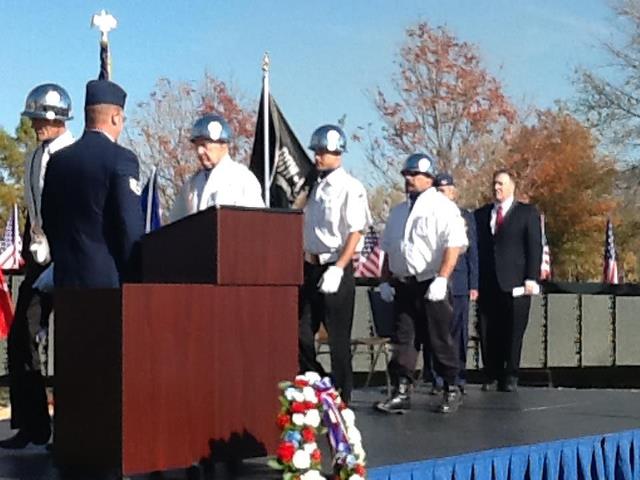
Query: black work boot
x=400 y=401
x=451 y=400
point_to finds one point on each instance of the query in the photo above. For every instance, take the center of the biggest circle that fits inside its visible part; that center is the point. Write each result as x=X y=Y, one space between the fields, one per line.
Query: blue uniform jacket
x=91 y=212
x=465 y=275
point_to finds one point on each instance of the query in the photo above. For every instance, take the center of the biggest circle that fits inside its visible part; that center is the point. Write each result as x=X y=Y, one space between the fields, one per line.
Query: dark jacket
x=514 y=254
x=91 y=212
x=465 y=274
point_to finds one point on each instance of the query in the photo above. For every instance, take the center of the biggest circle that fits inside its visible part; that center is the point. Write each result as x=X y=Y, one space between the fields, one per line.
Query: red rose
x=298 y=407
x=300 y=383
x=316 y=455
x=308 y=405
x=359 y=469
x=285 y=451
x=283 y=421
x=308 y=435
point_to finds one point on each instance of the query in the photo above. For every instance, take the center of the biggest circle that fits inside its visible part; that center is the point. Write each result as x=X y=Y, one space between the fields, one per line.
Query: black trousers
x=419 y=320
x=460 y=334
x=335 y=312
x=26 y=384
x=503 y=320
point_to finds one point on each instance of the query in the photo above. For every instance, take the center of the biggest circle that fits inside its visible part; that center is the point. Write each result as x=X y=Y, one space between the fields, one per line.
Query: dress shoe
x=23 y=438
x=510 y=384
x=399 y=402
x=451 y=401
x=489 y=386
x=435 y=390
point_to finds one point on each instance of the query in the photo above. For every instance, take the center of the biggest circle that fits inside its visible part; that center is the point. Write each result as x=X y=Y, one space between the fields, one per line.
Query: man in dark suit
x=91 y=200
x=464 y=287
x=510 y=253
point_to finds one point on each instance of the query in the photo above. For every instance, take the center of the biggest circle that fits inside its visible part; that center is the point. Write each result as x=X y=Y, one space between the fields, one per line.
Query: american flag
x=11 y=244
x=545 y=267
x=6 y=308
x=610 y=270
x=368 y=264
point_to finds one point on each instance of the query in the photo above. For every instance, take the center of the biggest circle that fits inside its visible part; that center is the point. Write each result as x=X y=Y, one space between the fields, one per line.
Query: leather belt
x=413 y=279
x=311 y=258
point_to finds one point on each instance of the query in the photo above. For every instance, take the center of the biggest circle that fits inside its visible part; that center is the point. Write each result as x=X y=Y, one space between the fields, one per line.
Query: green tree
x=12 y=151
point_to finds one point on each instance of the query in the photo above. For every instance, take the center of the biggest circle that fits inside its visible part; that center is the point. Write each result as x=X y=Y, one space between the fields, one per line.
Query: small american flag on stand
x=11 y=244
x=545 y=267
x=368 y=263
x=610 y=271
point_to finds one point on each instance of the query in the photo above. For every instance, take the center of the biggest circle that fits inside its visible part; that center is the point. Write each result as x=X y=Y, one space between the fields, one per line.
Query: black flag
x=104 y=61
x=291 y=168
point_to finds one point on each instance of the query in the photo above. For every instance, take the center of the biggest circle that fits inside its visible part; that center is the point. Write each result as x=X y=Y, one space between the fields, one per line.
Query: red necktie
x=499 y=219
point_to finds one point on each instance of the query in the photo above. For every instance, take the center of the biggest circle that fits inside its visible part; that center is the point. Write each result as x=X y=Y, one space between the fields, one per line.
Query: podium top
x=227 y=246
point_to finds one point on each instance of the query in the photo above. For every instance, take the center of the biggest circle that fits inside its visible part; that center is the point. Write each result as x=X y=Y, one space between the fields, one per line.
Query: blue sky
x=325 y=55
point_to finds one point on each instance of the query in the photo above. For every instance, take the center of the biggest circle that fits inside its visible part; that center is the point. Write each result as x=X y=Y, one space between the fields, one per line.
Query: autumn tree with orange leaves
x=444 y=102
x=160 y=128
x=559 y=169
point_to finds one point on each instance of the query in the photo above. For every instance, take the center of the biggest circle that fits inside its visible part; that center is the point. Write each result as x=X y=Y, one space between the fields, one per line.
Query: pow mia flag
x=291 y=168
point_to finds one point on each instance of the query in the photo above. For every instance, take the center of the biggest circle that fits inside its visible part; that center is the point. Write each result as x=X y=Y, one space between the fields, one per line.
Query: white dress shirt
x=336 y=207
x=228 y=183
x=506 y=205
x=415 y=239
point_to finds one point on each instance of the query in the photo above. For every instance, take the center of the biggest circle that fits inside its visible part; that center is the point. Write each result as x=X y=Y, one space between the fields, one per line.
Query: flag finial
x=105 y=22
x=265 y=62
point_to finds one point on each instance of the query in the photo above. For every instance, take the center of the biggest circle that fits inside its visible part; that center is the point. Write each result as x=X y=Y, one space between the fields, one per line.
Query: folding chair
x=382 y=316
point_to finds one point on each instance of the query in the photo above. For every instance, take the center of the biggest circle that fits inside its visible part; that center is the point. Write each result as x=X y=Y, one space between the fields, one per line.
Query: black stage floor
x=487 y=420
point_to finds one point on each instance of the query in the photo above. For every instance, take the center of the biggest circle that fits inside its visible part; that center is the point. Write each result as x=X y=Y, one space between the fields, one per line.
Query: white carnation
x=359 y=452
x=309 y=394
x=311 y=377
x=297 y=396
x=311 y=475
x=355 y=476
x=298 y=419
x=289 y=392
x=301 y=460
x=354 y=435
x=349 y=417
x=310 y=447
x=312 y=418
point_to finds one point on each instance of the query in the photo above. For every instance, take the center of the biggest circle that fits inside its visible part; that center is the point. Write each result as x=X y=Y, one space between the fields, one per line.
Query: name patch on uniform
x=134 y=185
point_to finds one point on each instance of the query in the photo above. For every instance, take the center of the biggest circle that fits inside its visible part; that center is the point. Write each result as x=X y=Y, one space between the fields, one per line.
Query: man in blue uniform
x=91 y=200
x=464 y=287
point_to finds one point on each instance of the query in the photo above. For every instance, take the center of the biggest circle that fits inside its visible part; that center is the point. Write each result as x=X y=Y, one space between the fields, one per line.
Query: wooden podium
x=184 y=366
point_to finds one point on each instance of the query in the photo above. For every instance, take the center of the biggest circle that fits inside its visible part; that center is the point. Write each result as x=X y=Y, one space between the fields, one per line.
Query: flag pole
x=265 y=127
x=105 y=22
x=150 y=196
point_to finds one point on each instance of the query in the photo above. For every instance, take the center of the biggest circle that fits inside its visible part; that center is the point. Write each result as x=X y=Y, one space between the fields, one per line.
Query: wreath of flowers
x=311 y=406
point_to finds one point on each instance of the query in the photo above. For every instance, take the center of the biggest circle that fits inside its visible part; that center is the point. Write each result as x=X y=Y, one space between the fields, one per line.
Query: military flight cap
x=444 y=180
x=104 y=92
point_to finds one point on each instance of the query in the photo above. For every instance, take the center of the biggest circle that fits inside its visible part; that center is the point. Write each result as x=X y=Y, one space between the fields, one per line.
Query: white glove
x=44 y=282
x=41 y=335
x=40 y=251
x=387 y=292
x=437 y=290
x=330 y=281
